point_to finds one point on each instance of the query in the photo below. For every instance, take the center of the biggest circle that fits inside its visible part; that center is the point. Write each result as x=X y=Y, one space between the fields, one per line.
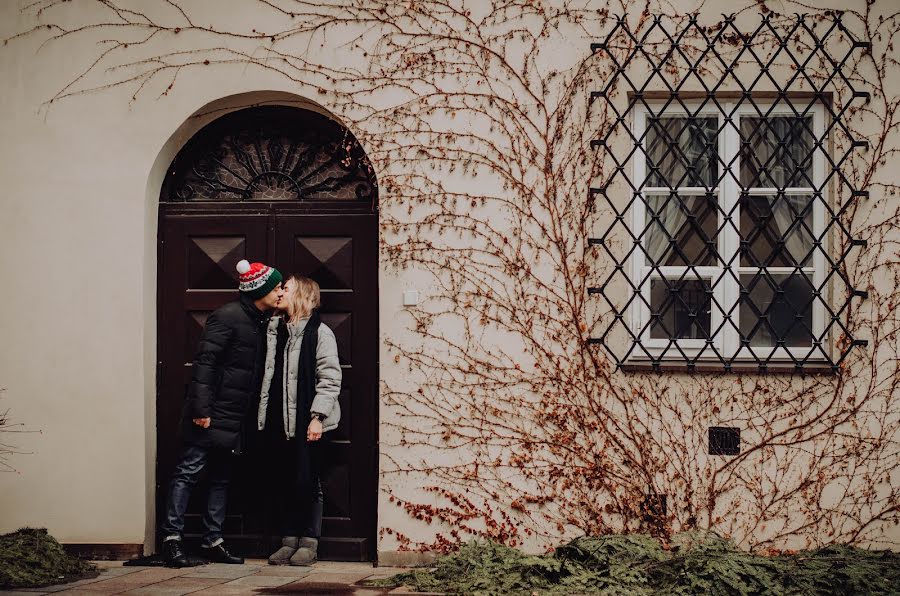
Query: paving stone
x=106 y=564
x=109 y=573
x=336 y=577
x=62 y=587
x=85 y=591
x=221 y=590
x=223 y=571
x=284 y=571
x=259 y=581
x=151 y=574
x=105 y=574
x=314 y=587
x=120 y=571
x=383 y=572
x=409 y=590
x=129 y=581
x=390 y=570
x=47 y=589
x=175 y=586
x=89 y=591
x=341 y=566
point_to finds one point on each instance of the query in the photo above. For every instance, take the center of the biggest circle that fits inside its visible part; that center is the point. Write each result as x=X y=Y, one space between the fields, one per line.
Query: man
x=226 y=377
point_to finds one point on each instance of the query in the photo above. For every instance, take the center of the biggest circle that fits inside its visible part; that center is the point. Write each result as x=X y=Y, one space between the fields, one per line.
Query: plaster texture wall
x=80 y=223
x=78 y=259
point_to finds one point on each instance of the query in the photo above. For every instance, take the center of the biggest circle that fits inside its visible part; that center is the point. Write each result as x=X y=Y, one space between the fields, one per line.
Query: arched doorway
x=292 y=188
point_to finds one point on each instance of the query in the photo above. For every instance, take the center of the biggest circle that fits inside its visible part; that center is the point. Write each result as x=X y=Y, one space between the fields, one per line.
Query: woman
x=300 y=388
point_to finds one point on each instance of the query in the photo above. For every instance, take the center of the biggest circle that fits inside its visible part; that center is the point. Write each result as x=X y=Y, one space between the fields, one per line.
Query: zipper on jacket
x=284 y=385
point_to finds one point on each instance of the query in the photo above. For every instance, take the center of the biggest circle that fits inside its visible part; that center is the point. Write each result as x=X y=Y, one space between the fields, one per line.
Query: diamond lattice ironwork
x=725 y=195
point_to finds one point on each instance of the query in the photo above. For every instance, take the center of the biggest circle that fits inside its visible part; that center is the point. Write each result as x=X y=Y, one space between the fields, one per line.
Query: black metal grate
x=726 y=193
x=724 y=440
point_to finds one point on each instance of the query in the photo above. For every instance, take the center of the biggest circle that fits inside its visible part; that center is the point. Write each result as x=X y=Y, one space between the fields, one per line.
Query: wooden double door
x=197 y=257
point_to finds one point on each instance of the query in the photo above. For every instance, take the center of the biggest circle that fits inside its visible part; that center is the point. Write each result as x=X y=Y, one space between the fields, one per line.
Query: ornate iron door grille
x=273 y=154
x=726 y=194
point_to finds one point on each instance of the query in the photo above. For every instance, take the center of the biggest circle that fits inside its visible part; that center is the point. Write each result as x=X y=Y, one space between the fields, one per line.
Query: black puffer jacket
x=227 y=372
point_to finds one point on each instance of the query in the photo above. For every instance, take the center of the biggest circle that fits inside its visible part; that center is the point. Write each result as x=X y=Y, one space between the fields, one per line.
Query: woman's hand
x=202 y=422
x=314 y=432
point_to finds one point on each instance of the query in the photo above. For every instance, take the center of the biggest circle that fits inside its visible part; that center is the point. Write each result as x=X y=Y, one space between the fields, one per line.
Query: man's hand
x=202 y=422
x=314 y=432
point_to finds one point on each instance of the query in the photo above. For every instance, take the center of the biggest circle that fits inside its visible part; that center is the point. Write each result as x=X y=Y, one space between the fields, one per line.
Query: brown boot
x=306 y=554
x=283 y=555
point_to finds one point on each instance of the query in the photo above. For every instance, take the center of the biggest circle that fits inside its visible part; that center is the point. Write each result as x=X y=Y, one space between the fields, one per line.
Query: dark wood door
x=341 y=254
x=198 y=254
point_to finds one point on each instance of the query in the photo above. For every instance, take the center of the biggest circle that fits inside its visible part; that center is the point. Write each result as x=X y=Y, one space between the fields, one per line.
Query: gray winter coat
x=328 y=376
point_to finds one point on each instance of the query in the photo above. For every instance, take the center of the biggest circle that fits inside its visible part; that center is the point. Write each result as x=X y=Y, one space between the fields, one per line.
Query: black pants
x=300 y=511
x=294 y=483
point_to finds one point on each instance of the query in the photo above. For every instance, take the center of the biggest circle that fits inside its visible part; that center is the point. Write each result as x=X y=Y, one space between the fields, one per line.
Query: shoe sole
x=241 y=562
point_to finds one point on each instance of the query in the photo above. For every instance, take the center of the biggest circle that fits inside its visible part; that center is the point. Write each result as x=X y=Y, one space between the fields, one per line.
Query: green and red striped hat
x=257 y=279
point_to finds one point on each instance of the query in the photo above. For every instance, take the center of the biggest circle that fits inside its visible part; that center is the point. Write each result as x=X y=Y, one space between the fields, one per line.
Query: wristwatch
x=317 y=416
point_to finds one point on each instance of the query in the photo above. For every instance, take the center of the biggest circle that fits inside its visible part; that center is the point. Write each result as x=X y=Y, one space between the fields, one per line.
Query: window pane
x=776 y=231
x=683 y=309
x=777 y=307
x=776 y=152
x=681 y=230
x=682 y=152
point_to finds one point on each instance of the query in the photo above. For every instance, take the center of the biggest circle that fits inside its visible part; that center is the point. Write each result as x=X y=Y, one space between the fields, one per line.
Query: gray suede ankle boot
x=283 y=555
x=306 y=554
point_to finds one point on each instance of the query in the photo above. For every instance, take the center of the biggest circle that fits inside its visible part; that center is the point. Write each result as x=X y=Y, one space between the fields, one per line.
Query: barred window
x=730 y=214
x=725 y=195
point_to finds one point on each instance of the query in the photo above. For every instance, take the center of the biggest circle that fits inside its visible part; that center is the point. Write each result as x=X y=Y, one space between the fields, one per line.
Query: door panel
x=198 y=254
x=341 y=254
x=197 y=274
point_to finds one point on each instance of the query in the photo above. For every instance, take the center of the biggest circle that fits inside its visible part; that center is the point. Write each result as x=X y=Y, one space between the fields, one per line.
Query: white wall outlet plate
x=410 y=297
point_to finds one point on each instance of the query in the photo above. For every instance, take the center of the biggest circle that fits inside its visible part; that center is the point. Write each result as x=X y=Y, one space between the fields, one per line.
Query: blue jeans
x=194 y=459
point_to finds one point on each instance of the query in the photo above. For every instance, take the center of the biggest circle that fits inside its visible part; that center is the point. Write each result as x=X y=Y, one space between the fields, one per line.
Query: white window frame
x=727 y=341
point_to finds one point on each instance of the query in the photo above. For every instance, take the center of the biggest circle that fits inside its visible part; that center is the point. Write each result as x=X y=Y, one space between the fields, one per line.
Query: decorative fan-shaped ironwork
x=272 y=153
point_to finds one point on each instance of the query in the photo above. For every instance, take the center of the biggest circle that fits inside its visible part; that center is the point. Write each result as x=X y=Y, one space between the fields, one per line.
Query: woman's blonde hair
x=302 y=299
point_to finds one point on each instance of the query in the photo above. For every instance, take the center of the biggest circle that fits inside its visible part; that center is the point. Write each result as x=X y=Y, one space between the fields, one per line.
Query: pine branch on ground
x=31 y=558
x=696 y=563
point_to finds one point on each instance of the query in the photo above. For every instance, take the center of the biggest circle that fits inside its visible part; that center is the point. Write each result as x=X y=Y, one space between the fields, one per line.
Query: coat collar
x=299 y=328
x=296 y=329
x=257 y=316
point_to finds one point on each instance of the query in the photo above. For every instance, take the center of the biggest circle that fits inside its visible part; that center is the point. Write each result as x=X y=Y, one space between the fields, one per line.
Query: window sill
x=739 y=368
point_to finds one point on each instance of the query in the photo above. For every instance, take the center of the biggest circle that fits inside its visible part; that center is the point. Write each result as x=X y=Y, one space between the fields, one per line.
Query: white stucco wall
x=78 y=216
x=78 y=227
